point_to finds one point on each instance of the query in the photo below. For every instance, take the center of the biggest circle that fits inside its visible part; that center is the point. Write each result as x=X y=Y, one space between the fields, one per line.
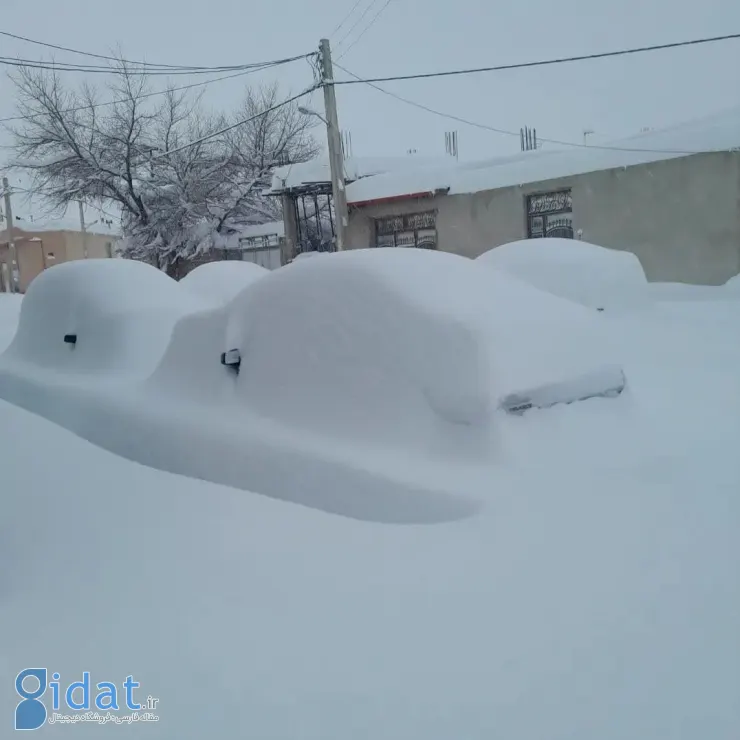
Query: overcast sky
x=613 y=98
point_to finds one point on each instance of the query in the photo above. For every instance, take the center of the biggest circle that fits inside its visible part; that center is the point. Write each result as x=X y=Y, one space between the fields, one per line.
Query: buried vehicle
x=584 y=273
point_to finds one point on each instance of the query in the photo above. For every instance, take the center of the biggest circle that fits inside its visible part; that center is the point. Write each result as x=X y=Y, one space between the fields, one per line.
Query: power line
x=356 y=23
x=366 y=29
x=346 y=17
x=27 y=191
x=235 y=125
x=142 y=71
x=505 y=132
x=547 y=62
x=182 y=68
x=97 y=56
x=144 y=95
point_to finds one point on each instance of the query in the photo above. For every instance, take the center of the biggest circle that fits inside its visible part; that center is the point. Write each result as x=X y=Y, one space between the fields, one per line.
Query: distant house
x=305 y=191
x=671 y=197
x=38 y=249
x=263 y=243
x=259 y=243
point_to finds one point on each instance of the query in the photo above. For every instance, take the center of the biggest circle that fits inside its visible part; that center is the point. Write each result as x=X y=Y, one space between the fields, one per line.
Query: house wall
x=97 y=245
x=41 y=249
x=681 y=217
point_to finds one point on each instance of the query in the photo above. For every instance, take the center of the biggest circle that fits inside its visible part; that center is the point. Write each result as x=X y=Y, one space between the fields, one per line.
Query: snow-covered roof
x=715 y=133
x=317 y=170
x=66 y=225
x=269 y=229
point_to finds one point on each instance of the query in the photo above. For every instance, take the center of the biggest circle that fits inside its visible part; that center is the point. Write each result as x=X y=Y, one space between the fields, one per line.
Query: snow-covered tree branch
x=173 y=206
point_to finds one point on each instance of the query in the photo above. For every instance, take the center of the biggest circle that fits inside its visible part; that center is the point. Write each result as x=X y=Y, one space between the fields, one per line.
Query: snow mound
x=343 y=346
x=670 y=292
x=10 y=308
x=393 y=346
x=191 y=368
x=733 y=284
x=368 y=381
x=529 y=336
x=310 y=253
x=222 y=281
x=98 y=316
x=585 y=273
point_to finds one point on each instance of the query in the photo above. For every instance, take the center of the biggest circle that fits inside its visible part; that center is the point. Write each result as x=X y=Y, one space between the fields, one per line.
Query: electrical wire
x=356 y=23
x=27 y=191
x=546 y=62
x=144 y=95
x=346 y=17
x=485 y=127
x=142 y=71
x=366 y=29
x=221 y=68
x=236 y=125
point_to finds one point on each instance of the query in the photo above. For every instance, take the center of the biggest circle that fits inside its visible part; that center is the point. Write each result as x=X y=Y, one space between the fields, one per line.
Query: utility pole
x=334 y=140
x=83 y=229
x=12 y=256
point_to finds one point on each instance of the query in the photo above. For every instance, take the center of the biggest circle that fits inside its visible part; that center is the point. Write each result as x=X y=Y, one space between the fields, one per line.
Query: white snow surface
x=10 y=309
x=303 y=255
x=594 y=595
x=406 y=353
x=576 y=270
x=719 y=132
x=221 y=281
x=355 y=168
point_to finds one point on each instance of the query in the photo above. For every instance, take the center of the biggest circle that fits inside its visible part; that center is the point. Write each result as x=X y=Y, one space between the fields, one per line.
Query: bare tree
x=176 y=199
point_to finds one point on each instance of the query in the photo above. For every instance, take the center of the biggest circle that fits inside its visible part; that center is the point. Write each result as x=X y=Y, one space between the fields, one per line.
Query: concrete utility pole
x=13 y=257
x=334 y=138
x=83 y=230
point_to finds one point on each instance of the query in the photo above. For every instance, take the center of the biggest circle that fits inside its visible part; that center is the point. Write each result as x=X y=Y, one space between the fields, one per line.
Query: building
x=262 y=244
x=306 y=194
x=38 y=249
x=671 y=197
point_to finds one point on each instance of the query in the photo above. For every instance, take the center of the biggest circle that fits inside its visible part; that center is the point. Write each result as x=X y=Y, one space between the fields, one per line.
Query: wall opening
x=550 y=215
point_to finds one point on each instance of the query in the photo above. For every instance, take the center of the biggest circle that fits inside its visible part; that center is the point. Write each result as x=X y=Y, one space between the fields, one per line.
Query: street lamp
x=310 y=112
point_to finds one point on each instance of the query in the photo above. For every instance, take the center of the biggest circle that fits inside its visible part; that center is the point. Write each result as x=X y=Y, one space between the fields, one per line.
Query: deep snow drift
x=120 y=312
x=380 y=370
x=220 y=282
x=683 y=292
x=584 y=273
x=10 y=309
x=596 y=596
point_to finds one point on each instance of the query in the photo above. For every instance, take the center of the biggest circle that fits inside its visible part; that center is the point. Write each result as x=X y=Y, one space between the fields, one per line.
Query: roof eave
x=397 y=198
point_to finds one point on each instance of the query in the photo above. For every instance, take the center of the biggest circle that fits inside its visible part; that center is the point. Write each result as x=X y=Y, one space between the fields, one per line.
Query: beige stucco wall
x=96 y=245
x=38 y=250
x=681 y=217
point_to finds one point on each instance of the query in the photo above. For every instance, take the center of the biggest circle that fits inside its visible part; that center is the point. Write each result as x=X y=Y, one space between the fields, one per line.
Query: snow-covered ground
x=595 y=594
x=10 y=308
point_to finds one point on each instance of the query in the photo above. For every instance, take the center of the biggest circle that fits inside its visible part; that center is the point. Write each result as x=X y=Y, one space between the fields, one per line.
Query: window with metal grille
x=412 y=230
x=550 y=215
